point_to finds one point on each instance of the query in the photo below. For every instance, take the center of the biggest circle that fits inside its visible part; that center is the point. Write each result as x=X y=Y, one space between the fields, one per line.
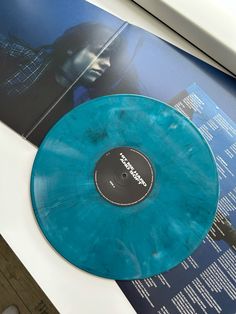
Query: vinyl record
x=124 y=187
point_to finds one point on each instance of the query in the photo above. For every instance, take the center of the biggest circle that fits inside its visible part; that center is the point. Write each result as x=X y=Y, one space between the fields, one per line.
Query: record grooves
x=124 y=187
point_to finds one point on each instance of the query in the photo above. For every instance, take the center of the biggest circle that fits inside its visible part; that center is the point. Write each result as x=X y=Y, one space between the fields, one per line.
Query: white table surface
x=71 y=290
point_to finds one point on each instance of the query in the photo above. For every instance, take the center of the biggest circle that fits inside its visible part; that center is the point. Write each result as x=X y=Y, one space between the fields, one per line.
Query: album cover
x=56 y=55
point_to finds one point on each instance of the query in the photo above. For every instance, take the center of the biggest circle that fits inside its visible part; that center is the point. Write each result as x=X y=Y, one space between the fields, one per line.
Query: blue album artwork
x=55 y=57
x=46 y=47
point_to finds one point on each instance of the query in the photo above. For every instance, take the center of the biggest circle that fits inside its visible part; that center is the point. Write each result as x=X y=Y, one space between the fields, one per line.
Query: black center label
x=124 y=176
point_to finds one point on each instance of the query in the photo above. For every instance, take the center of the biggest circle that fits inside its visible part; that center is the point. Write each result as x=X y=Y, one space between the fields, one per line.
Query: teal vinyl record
x=124 y=187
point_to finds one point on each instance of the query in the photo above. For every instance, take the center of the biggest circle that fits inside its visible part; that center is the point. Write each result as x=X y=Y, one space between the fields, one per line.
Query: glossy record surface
x=126 y=242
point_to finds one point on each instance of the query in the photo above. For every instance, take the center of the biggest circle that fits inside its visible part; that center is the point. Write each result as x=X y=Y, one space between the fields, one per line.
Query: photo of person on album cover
x=55 y=57
x=31 y=80
x=59 y=76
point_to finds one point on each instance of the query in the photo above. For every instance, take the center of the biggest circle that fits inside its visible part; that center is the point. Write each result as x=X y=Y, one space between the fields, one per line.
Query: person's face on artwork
x=86 y=64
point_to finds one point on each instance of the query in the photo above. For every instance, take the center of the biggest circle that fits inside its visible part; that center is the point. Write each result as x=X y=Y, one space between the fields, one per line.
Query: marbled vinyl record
x=124 y=187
